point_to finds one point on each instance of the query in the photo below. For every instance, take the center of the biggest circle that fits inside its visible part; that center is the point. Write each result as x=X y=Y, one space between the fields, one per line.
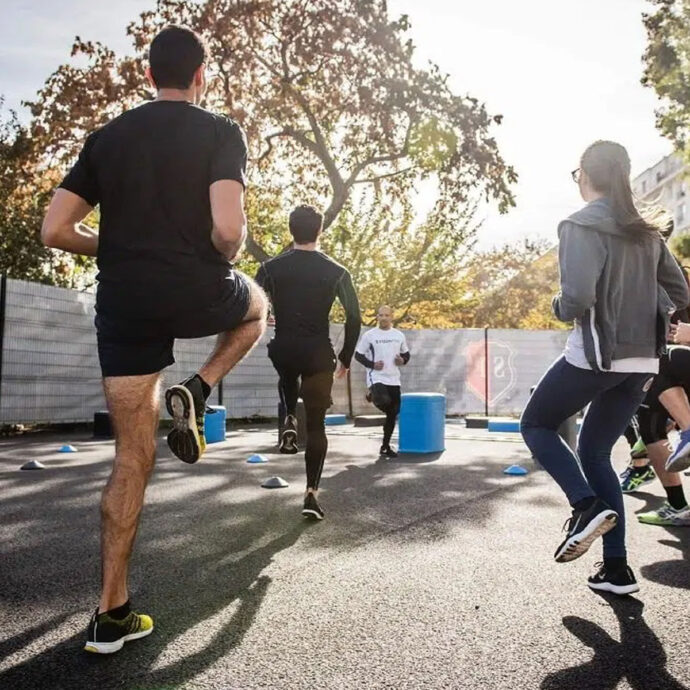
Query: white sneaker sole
x=112 y=647
x=184 y=440
x=679 y=460
x=288 y=442
x=308 y=513
x=578 y=544
x=614 y=589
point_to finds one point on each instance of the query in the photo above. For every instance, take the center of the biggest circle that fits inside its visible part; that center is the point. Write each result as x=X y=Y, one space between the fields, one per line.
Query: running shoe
x=186 y=405
x=636 y=477
x=666 y=516
x=288 y=439
x=618 y=581
x=639 y=450
x=312 y=509
x=387 y=452
x=107 y=635
x=680 y=458
x=583 y=528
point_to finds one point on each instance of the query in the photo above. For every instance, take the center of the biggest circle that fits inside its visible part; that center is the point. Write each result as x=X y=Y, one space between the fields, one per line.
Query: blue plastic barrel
x=422 y=423
x=214 y=426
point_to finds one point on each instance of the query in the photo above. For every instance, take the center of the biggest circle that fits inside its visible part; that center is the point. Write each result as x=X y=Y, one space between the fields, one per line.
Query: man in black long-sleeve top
x=302 y=285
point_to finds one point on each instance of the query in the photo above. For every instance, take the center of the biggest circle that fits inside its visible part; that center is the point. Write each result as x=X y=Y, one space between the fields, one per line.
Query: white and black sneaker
x=583 y=528
x=387 y=452
x=312 y=509
x=288 y=439
x=618 y=581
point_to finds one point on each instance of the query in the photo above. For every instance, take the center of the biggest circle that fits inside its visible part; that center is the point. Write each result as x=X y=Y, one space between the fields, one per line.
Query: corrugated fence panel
x=50 y=364
x=517 y=360
x=51 y=373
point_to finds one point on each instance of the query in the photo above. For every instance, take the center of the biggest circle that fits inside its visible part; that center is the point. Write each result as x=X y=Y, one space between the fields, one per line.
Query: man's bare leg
x=659 y=453
x=675 y=512
x=133 y=403
x=675 y=400
x=186 y=401
x=233 y=345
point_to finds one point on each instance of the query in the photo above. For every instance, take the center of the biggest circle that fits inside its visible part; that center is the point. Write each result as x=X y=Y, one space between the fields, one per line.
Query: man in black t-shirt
x=169 y=179
x=302 y=285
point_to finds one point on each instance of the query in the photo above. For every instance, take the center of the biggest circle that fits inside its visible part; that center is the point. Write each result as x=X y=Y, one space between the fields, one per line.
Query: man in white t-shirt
x=382 y=350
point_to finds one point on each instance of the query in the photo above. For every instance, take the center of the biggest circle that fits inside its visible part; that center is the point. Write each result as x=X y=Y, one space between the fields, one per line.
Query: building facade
x=667 y=185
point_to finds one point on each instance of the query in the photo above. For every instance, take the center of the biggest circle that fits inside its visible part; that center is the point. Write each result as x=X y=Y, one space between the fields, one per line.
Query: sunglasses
x=575 y=174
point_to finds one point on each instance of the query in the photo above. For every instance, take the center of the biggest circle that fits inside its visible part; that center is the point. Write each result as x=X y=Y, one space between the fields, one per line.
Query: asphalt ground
x=428 y=572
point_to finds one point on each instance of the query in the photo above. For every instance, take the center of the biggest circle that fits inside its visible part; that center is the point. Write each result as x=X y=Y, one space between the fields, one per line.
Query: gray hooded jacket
x=619 y=287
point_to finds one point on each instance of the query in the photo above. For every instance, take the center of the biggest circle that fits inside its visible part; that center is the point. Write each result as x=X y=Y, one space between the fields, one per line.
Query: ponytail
x=607 y=165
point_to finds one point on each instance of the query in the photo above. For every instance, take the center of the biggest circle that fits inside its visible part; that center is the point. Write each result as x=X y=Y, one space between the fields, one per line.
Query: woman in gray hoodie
x=619 y=285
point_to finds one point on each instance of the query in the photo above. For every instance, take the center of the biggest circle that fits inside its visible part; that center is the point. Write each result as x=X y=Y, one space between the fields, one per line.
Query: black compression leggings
x=387 y=399
x=316 y=393
x=317 y=444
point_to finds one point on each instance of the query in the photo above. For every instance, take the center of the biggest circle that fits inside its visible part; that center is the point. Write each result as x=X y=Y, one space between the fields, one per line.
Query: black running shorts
x=309 y=359
x=131 y=345
x=674 y=371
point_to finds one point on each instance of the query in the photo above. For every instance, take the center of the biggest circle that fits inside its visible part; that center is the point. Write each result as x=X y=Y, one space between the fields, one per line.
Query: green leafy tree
x=416 y=268
x=512 y=287
x=667 y=68
x=680 y=245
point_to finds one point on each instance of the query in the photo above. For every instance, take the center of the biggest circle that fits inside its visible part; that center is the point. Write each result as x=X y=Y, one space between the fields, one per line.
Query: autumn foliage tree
x=24 y=193
x=327 y=91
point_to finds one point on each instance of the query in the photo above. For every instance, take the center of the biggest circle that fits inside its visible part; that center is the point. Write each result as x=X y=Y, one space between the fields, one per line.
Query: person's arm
x=227 y=183
x=581 y=258
x=670 y=276
x=353 y=320
x=403 y=357
x=364 y=360
x=680 y=333
x=75 y=198
x=63 y=227
x=229 y=221
x=263 y=280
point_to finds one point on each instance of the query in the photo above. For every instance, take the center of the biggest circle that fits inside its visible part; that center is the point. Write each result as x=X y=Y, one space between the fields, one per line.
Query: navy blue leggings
x=562 y=392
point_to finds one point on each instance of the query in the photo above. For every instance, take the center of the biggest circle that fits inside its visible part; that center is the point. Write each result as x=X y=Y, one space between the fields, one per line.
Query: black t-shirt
x=150 y=170
x=302 y=286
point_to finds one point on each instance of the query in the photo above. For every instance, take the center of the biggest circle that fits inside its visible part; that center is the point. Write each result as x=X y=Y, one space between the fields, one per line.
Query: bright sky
x=562 y=72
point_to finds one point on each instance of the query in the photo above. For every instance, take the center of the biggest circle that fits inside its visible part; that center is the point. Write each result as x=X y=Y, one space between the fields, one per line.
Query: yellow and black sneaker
x=108 y=635
x=186 y=405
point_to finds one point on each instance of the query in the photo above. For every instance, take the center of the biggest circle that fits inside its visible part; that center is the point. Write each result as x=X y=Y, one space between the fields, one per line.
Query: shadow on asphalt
x=675 y=573
x=672 y=573
x=201 y=553
x=638 y=658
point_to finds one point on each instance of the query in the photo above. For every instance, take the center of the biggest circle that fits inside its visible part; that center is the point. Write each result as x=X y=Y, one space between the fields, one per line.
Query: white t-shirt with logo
x=382 y=346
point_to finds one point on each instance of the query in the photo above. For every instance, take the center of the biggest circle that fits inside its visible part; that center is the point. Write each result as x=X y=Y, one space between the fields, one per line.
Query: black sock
x=584 y=503
x=205 y=388
x=676 y=496
x=615 y=563
x=640 y=470
x=120 y=612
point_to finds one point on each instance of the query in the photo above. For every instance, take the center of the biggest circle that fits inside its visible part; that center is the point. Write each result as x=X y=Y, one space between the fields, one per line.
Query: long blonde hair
x=607 y=165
